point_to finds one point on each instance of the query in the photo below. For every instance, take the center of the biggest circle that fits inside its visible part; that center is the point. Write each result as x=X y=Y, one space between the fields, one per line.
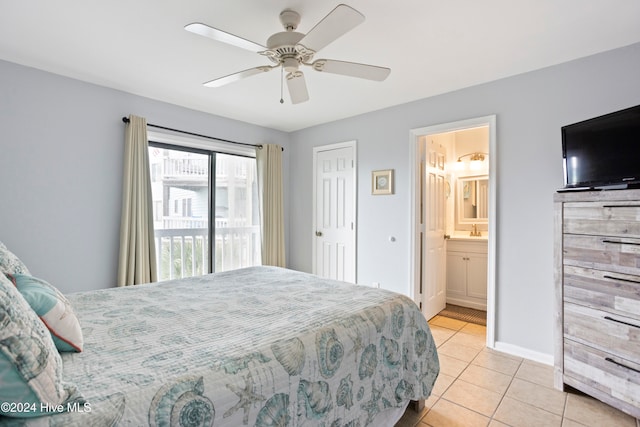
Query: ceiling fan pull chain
x=281 y=85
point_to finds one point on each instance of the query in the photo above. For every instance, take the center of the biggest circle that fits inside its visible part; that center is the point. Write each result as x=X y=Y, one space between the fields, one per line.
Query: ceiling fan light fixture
x=290 y=65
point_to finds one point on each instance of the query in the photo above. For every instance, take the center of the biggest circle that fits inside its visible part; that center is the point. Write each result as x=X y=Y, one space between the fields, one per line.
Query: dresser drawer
x=619 y=254
x=607 y=374
x=602 y=218
x=613 y=292
x=609 y=332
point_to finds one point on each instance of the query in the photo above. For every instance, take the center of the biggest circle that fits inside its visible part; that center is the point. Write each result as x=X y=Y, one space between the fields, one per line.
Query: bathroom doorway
x=453 y=217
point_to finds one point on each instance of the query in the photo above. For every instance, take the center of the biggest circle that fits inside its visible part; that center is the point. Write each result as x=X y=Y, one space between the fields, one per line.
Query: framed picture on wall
x=382 y=182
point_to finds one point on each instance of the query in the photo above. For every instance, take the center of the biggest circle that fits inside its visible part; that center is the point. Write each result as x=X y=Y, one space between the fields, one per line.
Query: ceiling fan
x=289 y=49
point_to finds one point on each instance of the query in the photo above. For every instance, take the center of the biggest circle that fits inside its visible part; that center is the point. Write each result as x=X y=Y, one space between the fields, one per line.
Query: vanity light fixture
x=476 y=160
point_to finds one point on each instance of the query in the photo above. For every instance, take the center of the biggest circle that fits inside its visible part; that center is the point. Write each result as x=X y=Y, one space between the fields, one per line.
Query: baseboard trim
x=526 y=353
x=466 y=303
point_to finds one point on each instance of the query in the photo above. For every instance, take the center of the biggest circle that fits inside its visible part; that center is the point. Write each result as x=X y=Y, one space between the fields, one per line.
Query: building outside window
x=199 y=230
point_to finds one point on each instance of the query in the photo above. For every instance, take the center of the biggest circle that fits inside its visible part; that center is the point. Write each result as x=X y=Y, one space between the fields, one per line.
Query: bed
x=259 y=346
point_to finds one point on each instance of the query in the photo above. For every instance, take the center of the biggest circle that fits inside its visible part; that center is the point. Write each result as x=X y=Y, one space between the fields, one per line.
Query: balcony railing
x=182 y=252
x=180 y=222
x=186 y=167
x=199 y=168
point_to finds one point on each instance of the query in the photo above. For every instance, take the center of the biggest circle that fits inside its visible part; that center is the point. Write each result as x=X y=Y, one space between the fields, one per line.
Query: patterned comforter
x=260 y=346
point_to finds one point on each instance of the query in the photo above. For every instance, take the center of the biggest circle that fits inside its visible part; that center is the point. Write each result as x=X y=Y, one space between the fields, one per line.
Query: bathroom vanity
x=467 y=245
x=467 y=270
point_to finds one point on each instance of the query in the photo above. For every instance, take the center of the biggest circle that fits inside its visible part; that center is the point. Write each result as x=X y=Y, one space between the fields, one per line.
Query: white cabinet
x=467 y=273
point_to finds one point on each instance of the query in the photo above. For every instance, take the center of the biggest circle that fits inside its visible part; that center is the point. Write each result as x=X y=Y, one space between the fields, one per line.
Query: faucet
x=474 y=231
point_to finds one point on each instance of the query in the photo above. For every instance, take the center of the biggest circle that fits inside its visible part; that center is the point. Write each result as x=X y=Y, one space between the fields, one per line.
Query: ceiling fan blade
x=297 y=87
x=237 y=76
x=339 y=21
x=222 y=36
x=353 y=69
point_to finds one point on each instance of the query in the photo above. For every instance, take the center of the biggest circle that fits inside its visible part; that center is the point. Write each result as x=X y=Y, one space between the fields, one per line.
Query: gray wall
x=61 y=147
x=530 y=110
x=61 y=154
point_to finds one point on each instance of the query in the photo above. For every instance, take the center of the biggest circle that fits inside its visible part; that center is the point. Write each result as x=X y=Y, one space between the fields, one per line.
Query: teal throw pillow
x=54 y=310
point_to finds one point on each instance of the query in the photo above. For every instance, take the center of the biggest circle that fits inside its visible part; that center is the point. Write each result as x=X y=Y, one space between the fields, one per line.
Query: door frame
x=314 y=221
x=414 y=259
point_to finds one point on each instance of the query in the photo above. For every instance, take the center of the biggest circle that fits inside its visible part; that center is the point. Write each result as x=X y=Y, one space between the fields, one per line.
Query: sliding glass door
x=205 y=211
x=237 y=221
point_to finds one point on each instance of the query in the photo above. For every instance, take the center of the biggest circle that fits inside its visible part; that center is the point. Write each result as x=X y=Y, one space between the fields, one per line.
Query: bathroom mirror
x=472 y=200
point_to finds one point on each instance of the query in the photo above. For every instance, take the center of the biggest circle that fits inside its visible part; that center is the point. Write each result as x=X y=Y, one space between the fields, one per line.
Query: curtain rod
x=126 y=120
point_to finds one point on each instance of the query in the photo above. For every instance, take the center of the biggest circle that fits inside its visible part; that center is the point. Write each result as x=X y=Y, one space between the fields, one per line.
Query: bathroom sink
x=464 y=235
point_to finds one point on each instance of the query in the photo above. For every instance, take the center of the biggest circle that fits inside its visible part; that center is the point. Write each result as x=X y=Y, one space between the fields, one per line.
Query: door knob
x=319 y=233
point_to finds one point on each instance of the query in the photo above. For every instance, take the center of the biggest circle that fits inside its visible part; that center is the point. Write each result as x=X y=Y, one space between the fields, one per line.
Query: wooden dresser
x=597 y=276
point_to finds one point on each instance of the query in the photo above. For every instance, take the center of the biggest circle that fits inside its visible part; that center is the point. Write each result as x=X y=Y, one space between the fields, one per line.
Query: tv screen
x=603 y=151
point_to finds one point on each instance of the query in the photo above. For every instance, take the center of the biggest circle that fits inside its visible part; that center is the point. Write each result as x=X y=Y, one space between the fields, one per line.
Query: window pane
x=180 y=182
x=237 y=227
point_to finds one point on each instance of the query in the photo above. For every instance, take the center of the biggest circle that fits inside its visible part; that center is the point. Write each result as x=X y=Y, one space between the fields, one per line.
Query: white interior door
x=433 y=229
x=334 y=217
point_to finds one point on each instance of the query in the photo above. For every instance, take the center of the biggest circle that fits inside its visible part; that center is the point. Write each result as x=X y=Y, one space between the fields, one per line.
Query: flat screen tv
x=603 y=152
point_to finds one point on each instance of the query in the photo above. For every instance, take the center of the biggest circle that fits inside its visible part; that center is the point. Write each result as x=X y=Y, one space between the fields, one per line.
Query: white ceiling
x=431 y=46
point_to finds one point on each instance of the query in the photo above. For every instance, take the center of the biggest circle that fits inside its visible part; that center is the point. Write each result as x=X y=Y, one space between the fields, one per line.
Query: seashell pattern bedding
x=260 y=346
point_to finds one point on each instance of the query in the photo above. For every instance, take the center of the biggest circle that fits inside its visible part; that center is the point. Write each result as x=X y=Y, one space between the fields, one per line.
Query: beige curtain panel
x=137 y=262
x=269 y=163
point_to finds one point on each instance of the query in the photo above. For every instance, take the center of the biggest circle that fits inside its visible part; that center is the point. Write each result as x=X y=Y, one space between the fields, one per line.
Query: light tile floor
x=481 y=387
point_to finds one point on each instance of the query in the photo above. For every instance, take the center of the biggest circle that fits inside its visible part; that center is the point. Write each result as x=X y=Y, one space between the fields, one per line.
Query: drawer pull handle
x=622 y=365
x=621 y=206
x=617 y=242
x=621 y=279
x=620 y=321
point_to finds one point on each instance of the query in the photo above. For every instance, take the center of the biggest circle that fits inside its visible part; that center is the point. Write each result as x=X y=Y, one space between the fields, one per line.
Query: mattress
x=260 y=346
